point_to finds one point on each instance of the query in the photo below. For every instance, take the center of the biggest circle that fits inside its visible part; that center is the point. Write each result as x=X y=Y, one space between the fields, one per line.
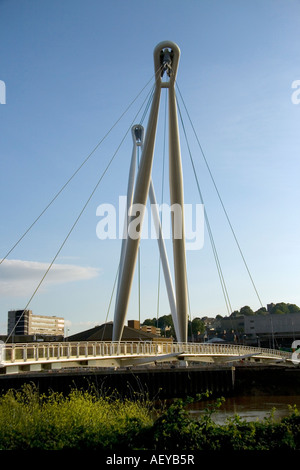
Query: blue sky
x=71 y=68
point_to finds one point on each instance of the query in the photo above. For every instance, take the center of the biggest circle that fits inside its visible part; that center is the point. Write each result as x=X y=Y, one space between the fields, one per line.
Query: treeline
x=165 y=323
x=280 y=308
x=198 y=325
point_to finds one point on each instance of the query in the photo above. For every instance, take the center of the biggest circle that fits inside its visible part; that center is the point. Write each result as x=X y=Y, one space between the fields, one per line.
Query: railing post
x=13 y=353
x=35 y=351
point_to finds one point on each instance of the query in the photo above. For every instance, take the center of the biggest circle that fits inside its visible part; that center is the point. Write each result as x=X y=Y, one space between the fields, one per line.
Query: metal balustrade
x=18 y=357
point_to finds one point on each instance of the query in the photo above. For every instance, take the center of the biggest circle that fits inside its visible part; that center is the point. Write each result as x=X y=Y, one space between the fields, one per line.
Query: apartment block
x=23 y=322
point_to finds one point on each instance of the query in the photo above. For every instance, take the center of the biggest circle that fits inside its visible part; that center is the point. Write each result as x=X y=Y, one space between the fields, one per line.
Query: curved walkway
x=21 y=357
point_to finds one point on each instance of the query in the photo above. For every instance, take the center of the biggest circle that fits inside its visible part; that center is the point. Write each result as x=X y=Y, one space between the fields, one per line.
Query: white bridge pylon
x=166 y=59
x=138 y=139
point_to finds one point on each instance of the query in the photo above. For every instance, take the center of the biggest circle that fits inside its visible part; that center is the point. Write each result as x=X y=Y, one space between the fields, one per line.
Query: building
x=229 y=324
x=130 y=333
x=151 y=329
x=24 y=323
x=17 y=322
x=148 y=328
x=273 y=330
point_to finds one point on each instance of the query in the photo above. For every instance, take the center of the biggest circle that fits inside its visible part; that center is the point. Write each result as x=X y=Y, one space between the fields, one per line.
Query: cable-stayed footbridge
x=33 y=357
x=48 y=356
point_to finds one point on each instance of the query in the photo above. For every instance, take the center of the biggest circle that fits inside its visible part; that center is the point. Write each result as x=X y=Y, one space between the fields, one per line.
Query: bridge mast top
x=166 y=59
x=138 y=134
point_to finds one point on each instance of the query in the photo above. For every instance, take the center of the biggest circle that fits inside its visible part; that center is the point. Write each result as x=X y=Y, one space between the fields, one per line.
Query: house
x=104 y=333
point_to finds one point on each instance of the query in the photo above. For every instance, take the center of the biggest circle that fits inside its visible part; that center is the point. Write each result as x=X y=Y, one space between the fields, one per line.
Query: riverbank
x=167 y=382
x=248 y=407
x=86 y=421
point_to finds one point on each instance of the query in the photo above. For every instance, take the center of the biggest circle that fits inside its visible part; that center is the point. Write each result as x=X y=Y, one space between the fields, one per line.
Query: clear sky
x=70 y=70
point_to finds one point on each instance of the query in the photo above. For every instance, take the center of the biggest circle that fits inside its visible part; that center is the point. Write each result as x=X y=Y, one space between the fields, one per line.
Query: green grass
x=84 y=420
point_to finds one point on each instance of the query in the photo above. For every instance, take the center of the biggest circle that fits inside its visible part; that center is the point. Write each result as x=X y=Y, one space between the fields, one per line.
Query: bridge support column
x=166 y=59
x=176 y=194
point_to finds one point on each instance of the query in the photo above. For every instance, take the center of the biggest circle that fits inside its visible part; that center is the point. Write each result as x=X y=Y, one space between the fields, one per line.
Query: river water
x=251 y=408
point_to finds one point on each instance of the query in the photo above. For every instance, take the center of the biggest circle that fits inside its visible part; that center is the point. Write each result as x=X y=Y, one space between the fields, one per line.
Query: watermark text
x=296 y=94
x=177 y=223
x=2 y=92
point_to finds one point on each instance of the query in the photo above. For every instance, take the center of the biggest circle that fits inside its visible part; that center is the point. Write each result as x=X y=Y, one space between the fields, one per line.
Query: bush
x=82 y=420
x=175 y=430
x=85 y=420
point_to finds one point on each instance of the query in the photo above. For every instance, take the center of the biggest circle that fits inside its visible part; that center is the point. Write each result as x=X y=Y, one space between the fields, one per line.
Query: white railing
x=18 y=353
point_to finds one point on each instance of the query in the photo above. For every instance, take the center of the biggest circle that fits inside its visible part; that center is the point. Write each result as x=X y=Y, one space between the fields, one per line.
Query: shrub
x=81 y=420
x=85 y=420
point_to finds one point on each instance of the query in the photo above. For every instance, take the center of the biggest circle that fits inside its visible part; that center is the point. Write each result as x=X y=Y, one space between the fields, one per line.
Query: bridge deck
x=18 y=357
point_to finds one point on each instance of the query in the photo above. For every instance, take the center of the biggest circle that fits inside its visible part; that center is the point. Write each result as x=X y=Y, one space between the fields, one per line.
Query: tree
x=198 y=326
x=165 y=323
x=149 y=322
x=246 y=310
x=261 y=311
x=280 y=308
x=293 y=308
x=235 y=314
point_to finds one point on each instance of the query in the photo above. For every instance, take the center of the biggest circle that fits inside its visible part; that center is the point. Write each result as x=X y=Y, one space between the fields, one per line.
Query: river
x=251 y=408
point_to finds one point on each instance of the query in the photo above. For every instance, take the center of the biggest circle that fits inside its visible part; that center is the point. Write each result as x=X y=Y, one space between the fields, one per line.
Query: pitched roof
x=104 y=333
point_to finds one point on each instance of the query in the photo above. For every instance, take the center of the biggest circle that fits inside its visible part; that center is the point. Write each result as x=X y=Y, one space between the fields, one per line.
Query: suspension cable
x=148 y=105
x=139 y=257
x=114 y=286
x=110 y=301
x=76 y=221
x=116 y=277
x=221 y=201
x=222 y=280
x=75 y=173
x=138 y=164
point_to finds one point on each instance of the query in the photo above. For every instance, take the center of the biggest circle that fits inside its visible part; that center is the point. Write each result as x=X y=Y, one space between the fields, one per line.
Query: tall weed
x=87 y=420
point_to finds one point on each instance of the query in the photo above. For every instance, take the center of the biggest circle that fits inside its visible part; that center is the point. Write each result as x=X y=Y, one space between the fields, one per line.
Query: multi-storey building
x=24 y=323
x=273 y=329
x=18 y=321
